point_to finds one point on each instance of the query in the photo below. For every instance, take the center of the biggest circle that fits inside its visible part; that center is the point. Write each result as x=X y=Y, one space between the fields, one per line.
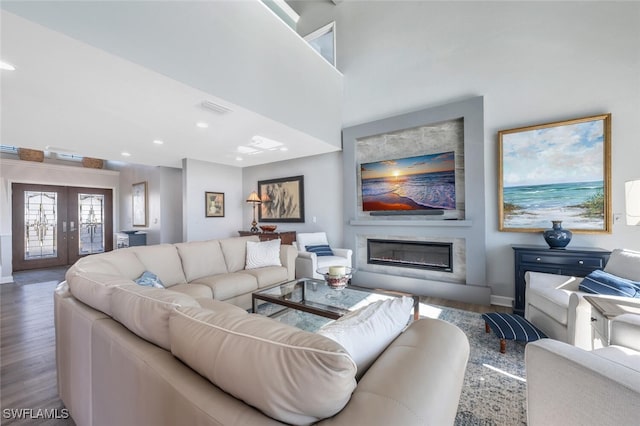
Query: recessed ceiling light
x=202 y=124
x=125 y=154
x=6 y=66
x=158 y=142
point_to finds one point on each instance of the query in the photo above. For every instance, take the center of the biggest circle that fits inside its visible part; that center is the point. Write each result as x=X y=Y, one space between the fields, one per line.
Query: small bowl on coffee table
x=337 y=277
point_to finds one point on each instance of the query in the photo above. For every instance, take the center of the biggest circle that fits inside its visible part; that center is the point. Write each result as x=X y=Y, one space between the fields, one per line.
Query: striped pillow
x=600 y=282
x=320 y=250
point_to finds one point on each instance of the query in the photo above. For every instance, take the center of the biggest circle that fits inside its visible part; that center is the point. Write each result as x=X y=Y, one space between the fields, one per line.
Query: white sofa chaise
x=556 y=306
x=133 y=355
x=570 y=386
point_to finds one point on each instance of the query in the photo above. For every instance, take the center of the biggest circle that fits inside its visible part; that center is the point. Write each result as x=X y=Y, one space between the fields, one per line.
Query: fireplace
x=411 y=254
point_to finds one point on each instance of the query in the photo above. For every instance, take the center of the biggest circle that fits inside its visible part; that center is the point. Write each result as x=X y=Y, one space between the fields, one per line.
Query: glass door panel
x=40 y=222
x=91 y=220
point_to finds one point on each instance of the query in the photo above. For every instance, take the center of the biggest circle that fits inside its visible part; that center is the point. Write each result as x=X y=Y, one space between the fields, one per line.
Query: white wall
x=323 y=182
x=534 y=62
x=17 y=171
x=199 y=177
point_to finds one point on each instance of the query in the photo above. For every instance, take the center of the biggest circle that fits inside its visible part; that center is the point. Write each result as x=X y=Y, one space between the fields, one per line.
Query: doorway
x=56 y=225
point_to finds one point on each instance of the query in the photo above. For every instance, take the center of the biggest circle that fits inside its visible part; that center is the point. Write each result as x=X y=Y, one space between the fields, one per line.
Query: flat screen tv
x=426 y=182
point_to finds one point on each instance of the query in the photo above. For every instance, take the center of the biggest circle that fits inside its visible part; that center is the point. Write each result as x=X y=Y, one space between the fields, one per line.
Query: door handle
x=72 y=226
x=64 y=226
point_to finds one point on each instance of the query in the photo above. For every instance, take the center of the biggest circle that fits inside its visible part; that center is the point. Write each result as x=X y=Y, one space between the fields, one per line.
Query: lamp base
x=254 y=227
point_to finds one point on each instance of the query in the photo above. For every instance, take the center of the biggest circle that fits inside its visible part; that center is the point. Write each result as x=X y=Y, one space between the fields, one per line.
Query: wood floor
x=27 y=342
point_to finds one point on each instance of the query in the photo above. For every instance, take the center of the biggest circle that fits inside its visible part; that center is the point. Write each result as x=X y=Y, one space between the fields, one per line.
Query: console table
x=575 y=261
x=285 y=237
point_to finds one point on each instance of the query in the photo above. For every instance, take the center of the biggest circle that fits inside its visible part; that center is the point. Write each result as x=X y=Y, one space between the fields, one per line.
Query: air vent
x=217 y=108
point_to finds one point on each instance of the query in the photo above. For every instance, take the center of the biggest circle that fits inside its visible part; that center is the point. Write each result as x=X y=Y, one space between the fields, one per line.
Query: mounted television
x=422 y=183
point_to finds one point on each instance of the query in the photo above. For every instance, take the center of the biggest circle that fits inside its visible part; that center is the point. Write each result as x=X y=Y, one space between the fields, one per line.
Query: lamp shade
x=253 y=198
x=632 y=201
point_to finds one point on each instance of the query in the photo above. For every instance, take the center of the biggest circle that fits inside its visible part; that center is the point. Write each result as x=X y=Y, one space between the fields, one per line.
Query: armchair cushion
x=320 y=250
x=305 y=239
x=601 y=282
x=624 y=263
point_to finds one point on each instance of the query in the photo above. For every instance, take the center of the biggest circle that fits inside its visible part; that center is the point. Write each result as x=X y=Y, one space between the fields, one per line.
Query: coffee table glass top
x=312 y=296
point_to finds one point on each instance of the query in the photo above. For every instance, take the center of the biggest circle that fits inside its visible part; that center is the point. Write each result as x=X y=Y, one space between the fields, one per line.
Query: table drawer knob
x=581 y=262
x=538 y=259
x=594 y=319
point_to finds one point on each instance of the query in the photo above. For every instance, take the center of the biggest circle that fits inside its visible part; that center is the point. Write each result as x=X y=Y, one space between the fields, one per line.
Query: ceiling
x=68 y=96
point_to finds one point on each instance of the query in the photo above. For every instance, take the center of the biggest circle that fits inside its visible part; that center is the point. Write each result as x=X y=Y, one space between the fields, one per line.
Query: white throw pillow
x=265 y=253
x=367 y=332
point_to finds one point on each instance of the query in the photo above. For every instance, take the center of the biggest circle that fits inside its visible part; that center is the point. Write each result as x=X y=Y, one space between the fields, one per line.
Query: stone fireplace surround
x=456 y=126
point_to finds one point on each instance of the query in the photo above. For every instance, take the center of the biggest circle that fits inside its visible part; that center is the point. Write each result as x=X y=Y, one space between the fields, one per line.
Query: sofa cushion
x=289 y=374
x=620 y=355
x=145 y=311
x=263 y=253
x=123 y=262
x=366 y=332
x=624 y=263
x=201 y=259
x=326 y=261
x=601 y=282
x=268 y=276
x=164 y=261
x=95 y=289
x=194 y=290
x=235 y=251
x=226 y=286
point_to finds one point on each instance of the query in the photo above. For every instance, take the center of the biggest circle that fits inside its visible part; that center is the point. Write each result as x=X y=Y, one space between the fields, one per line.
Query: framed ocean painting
x=556 y=171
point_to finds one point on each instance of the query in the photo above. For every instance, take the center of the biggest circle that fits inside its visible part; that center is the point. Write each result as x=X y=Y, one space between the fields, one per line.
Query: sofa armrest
x=288 y=254
x=551 y=281
x=568 y=385
x=389 y=393
x=306 y=264
x=625 y=331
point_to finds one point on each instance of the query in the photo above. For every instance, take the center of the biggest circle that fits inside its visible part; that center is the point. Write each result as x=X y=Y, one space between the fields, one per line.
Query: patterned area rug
x=494 y=390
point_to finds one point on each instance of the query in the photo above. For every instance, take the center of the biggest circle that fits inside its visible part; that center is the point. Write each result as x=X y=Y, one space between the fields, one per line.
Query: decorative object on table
x=92 y=163
x=139 y=203
x=130 y=231
x=557 y=237
x=254 y=200
x=268 y=228
x=282 y=199
x=31 y=155
x=337 y=277
x=560 y=169
x=632 y=201
x=214 y=204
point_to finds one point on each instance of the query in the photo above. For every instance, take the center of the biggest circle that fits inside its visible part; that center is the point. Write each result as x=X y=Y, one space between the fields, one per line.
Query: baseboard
x=6 y=280
x=502 y=301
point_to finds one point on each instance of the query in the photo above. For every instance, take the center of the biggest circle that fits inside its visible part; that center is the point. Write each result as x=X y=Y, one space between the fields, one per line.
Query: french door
x=56 y=225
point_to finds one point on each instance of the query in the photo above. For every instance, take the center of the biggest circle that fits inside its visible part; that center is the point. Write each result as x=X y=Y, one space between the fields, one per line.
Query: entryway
x=56 y=225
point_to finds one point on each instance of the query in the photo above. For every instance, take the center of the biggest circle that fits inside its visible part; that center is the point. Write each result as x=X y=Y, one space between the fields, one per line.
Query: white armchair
x=556 y=306
x=570 y=386
x=307 y=263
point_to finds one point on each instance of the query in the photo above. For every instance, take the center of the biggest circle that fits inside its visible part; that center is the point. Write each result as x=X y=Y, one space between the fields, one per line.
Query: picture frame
x=282 y=200
x=556 y=171
x=214 y=204
x=139 y=204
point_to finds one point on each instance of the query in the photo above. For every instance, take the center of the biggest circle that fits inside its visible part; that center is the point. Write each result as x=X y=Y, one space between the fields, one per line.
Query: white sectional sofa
x=133 y=355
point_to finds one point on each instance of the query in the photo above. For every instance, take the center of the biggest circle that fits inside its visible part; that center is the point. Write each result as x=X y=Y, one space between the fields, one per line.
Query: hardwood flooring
x=27 y=343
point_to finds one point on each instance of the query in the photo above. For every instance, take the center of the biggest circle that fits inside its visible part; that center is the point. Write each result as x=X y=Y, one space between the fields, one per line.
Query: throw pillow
x=320 y=250
x=601 y=282
x=261 y=254
x=366 y=332
x=149 y=279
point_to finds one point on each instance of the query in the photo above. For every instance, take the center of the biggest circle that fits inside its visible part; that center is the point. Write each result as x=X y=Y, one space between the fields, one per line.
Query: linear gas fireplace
x=411 y=254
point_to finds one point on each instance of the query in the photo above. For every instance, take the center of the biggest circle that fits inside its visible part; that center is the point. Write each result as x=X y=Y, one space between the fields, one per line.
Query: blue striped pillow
x=600 y=282
x=320 y=250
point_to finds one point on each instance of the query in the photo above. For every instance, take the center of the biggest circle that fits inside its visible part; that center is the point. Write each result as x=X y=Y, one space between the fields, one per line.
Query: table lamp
x=255 y=200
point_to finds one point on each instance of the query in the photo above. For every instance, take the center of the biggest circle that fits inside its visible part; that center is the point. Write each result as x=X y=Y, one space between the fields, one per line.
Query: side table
x=603 y=310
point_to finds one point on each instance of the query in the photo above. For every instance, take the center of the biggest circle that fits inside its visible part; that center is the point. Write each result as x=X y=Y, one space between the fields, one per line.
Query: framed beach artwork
x=214 y=204
x=139 y=203
x=282 y=200
x=556 y=171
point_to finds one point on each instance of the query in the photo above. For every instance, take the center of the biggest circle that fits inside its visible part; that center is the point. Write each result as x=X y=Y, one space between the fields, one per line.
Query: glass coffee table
x=300 y=302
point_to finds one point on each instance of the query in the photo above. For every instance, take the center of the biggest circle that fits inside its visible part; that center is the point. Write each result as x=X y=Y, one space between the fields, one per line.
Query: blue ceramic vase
x=557 y=237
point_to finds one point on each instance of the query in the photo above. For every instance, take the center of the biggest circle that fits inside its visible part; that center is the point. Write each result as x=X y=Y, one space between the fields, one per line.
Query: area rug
x=494 y=390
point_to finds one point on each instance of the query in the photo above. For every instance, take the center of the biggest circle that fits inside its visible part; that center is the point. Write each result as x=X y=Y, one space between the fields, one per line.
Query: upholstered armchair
x=556 y=306
x=312 y=256
x=571 y=386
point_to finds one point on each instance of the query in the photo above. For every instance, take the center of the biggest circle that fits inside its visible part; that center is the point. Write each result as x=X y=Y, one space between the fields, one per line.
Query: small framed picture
x=139 y=203
x=214 y=204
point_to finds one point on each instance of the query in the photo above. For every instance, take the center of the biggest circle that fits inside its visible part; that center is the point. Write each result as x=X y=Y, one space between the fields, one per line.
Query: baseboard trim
x=502 y=301
x=6 y=280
